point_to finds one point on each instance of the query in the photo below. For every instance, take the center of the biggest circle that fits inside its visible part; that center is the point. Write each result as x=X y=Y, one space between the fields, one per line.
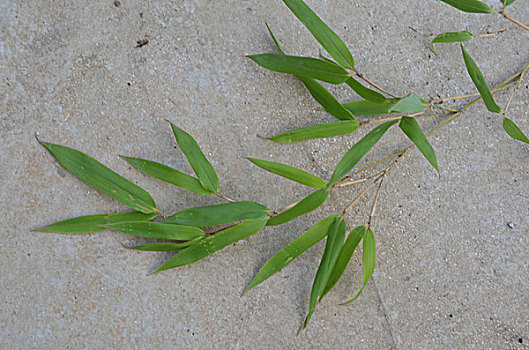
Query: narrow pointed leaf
x=92 y=223
x=274 y=39
x=198 y=161
x=290 y=173
x=168 y=174
x=317 y=131
x=326 y=99
x=479 y=81
x=366 y=93
x=412 y=129
x=157 y=230
x=330 y=41
x=451 y=37
x=514 y=131
x=409 y=104
x=358 y=151
x=286 y=255
x=333 y=247
x=102 y=178
x=219 y=214
x=368 y=261
x=212 y=244
x=361 y=108
x=306 y=205
x=304 y=66
x=163 y=247
x=472 y=6
x=345 y=256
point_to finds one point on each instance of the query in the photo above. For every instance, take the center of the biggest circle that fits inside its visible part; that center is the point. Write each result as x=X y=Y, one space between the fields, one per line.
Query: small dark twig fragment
x=141 y=43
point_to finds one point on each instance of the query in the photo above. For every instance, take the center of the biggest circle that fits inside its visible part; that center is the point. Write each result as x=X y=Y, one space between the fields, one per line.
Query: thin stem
x=514 y=20
x=373 y=121
x=220 y=195
x=495 y=32
x=361 y=76
x=374 y=206
x=285 y=208
x=222 y=229
x=516 y=87
x=453 y=98
x=360 y=195
x=350 y=183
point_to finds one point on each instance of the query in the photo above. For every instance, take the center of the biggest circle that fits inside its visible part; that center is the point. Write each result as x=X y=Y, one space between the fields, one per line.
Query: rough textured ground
x=450 y=272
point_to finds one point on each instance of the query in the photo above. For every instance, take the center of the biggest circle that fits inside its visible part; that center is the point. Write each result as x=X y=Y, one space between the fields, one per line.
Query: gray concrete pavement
x=450 y=272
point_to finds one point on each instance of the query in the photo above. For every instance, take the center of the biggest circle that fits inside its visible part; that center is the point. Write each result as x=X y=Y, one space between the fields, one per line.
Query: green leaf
x=333 y=247
x=472 y=6
x=102 y=178
x=211 y=244
x=305 y=66
x=163 y=247
x=219 y=214
x=514 y=131
x=451 y=37
x=290 y=173
x=306 y=205
x=198 y=161
x=92 y=223
x=361 y=108
x=317 y=131
x=358 y=151
x=368 y=261
x=479 y=81
x=274 y=39
x=326 y=99
x=507 y=2
x=345 y=256
x=157 y=230
x=286 y=255
x=409 y=104
x=330 y=41
x=167 y=174
x=412 y=129
x=366 y=93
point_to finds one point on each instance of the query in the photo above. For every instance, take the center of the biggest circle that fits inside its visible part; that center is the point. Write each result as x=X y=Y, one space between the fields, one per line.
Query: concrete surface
x=450 y=272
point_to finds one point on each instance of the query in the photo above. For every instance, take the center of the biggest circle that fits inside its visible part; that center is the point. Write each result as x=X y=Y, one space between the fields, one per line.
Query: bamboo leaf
x=198 y=161
x=168 y=174
x=326 y=99
x=290 y=173
x=366 y=93
x=163 y=247
x=219 y=214
x=345 y=256
x=212 y=244
x=286 y=255
x=368 y=261
x=330 y=41
x=102 y=178
x=409 y=104
x=358 y=151
x=472 y=6
x=513 y=130
x=157 y=230
x=274 y=39
x=479 y=81
x=361 y=108
x=92 y=223
x=317 y=131
x=412 y=129
x=304 y=66
x=451 y=37
x=333 y=247
x=507 y=2
x=306 y=205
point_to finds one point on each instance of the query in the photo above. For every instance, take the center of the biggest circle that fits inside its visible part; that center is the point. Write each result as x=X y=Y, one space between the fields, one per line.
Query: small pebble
x=510 y=224
x=520 y=340
x=117 y=3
